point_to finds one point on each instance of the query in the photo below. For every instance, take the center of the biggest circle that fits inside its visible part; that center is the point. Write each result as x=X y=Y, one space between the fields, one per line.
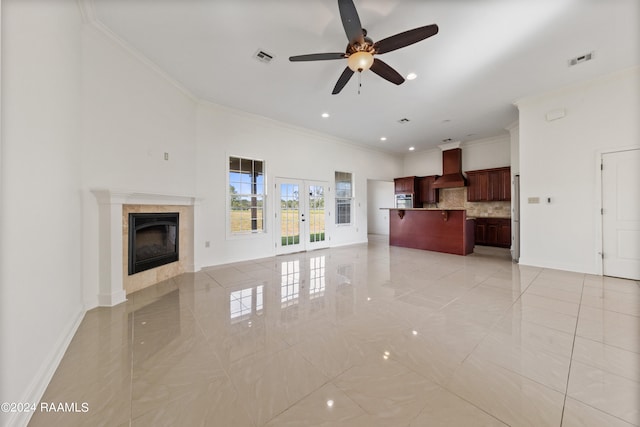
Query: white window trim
x=352 y=199
x=230 y=235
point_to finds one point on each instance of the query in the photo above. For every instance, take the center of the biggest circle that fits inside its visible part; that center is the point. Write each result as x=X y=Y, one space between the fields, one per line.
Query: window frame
x=228 y=205
x=350 y=199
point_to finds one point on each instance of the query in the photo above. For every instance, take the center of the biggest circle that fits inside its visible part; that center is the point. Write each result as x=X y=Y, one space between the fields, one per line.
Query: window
x=246 y=195
x=344 y=197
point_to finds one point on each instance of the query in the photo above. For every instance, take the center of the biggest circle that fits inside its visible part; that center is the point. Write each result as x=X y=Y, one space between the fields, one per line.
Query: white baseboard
x=357 y=242
x=110 y=300
x=42 y=378
x=532 y=262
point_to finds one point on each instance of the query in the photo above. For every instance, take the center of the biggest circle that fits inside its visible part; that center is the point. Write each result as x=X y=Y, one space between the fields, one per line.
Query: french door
x=300 y=216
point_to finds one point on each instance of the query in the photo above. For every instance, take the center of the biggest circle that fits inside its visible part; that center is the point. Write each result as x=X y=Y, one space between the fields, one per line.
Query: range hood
x=451 y=170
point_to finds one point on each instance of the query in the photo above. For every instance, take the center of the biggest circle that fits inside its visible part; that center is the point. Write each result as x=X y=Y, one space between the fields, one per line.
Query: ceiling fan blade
x=342 y=81
x=317 y=57
x=351 y=21
x=386 y=72
x=405 y=39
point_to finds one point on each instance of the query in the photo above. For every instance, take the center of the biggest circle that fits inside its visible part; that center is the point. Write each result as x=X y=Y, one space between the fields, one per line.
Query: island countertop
x=423 y=209
x=441 y=230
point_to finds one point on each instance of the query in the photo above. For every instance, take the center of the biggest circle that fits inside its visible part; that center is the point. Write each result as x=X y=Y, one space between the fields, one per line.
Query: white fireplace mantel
x=110 y=202
x=110 y=197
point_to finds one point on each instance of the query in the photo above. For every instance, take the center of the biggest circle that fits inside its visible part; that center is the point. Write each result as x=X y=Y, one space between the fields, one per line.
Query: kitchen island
x=440 y=230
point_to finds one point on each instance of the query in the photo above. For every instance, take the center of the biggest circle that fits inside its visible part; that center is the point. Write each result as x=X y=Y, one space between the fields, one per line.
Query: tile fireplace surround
x=113 y=211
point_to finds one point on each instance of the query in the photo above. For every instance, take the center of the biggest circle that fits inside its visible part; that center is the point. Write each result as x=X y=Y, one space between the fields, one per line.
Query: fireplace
x=153 y=240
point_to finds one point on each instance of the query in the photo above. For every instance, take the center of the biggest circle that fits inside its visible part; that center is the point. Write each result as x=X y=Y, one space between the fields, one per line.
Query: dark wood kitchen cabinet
x=426 y=192
x=489 y=185
x=478 y=188
x=493 y=232
x=406 y=185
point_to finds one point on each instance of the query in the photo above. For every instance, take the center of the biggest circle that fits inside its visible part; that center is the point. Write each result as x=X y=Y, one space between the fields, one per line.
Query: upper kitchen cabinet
x=478 y=188
x=428 y=194
x=406 y=185
x=489 y=185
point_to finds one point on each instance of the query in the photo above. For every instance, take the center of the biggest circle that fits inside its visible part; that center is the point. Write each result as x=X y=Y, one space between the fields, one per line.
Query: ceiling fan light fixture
x=360 y=61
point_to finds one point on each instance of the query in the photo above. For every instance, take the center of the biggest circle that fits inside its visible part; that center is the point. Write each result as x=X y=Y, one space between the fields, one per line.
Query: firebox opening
x=153 y=240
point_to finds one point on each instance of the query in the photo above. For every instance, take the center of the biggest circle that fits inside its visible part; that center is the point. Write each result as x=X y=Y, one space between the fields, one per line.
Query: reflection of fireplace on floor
x=157 y=324
x=153 y=240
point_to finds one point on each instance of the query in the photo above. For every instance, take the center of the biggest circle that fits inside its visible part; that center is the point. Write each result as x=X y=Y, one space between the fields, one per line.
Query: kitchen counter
x=488 y=217
x=441 y=230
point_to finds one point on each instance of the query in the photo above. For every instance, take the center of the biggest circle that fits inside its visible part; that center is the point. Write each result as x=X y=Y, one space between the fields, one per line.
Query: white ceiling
x=488 y=54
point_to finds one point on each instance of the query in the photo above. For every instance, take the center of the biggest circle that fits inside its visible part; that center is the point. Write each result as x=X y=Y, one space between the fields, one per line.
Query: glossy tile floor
x=365 y=335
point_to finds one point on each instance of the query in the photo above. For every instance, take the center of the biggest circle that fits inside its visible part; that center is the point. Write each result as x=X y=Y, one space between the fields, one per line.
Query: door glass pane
x=316 y=213
x=289 y=222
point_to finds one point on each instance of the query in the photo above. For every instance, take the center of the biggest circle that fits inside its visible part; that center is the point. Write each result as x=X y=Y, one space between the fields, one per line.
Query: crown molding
x=87 y=10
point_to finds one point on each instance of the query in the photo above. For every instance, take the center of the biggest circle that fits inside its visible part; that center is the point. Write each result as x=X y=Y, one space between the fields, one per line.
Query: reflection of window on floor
x=290 y=283
x=345 y=274
x=245 y=302
x=316 y=277
x=345 y=293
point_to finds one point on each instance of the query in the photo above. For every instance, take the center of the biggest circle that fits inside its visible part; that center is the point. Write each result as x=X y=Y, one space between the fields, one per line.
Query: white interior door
x=301 y=217
x=621 y=214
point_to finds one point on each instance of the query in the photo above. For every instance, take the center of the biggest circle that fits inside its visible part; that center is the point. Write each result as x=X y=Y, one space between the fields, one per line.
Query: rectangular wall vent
x=580 y=59
x=263 y=56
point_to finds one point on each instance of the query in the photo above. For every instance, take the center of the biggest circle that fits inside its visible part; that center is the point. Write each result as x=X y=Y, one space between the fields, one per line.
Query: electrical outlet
x=166 y=156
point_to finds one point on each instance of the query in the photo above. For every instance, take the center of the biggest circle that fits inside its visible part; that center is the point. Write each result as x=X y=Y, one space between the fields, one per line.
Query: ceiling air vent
x=263 y=56
x=580 y=59
x=403 y=121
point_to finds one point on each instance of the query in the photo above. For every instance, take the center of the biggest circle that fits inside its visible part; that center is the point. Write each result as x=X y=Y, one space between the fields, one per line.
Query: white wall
x=380 y=194
x=41 y=223
x=289 y=152
x=559 y=159
x=131 y=115
x=514 y=135
x=477 y=154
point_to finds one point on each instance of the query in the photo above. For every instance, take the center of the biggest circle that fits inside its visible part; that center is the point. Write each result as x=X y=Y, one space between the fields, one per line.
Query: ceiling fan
x=361 y=49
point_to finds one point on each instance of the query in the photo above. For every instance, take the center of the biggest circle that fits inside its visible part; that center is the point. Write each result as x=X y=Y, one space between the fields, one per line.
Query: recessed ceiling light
x=411 y=76
x=412 y=148
x=383 y=138
x=325 y=115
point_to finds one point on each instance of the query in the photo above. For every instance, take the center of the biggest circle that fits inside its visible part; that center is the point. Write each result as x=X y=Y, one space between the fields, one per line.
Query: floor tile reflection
x=364 y=335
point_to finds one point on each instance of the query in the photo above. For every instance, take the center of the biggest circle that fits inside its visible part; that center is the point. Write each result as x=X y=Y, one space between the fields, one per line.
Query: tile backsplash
x=456 y=198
